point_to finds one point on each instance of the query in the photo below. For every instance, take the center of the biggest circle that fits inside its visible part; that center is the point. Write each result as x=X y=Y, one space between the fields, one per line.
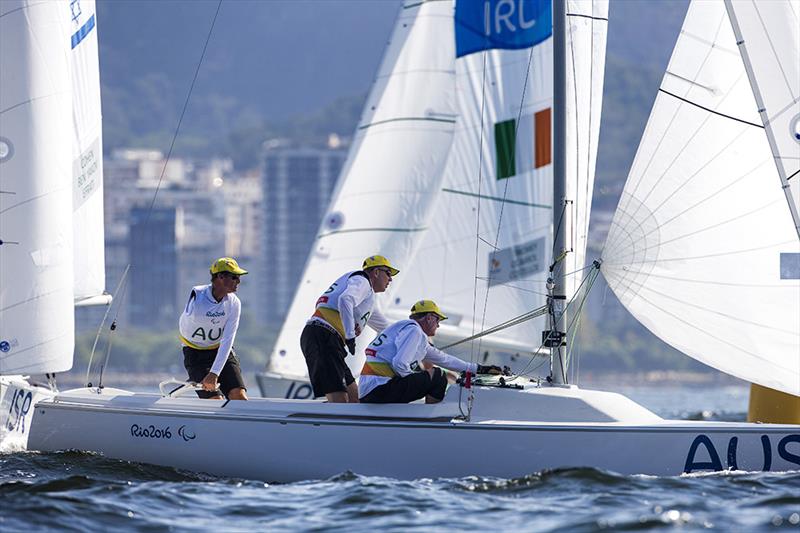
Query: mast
x=557 y=296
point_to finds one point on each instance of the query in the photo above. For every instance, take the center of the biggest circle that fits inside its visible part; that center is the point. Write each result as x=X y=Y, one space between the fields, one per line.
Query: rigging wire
x=472 y=354
x=123 y=280
x=103 y=322
x=505 y=190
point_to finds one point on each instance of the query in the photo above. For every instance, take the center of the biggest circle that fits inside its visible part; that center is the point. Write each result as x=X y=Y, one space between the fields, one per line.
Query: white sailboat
x=51 y=199
x=530 y=424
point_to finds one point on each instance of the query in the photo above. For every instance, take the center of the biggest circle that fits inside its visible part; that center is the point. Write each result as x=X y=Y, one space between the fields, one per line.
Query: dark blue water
x=84 y=492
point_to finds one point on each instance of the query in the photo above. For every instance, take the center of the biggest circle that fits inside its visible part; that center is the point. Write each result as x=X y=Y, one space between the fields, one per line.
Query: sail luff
x=787 y=107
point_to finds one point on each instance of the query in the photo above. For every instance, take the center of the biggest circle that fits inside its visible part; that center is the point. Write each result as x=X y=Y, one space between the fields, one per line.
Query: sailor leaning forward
x=208 y=328
x=342 y=313
x=399 y=366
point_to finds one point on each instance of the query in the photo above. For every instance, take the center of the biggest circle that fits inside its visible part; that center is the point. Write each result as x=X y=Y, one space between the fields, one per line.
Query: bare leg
x=352 y=393
x=337 y=397
x=237 y=394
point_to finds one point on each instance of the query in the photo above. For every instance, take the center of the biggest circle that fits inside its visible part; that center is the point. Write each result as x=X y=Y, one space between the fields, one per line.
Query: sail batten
x=696 y=247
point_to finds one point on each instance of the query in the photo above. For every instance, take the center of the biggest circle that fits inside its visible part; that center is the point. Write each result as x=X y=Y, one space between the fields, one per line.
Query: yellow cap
x=379 y=260
x=227 y=264
x=427 y=306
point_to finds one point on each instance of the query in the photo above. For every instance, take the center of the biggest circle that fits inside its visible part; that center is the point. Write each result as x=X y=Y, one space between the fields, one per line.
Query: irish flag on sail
x=524 y=145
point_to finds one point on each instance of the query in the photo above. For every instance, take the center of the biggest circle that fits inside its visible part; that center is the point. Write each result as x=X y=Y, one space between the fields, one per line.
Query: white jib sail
x=485 y=257
x=87 y=153
x=36 y=310
x=392 y=172
x=695 y=246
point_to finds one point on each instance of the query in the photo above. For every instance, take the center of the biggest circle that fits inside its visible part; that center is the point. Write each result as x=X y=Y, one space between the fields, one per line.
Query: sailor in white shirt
x=342 y=313
x=208 y=328
x=394 y=371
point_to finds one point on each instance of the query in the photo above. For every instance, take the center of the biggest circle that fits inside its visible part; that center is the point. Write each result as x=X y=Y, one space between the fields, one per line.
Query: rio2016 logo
x=165 y=432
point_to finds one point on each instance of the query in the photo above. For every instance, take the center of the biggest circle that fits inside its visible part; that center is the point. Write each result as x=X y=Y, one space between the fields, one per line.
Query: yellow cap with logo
x=379 y=260
x=227 y=264
x=427 y=306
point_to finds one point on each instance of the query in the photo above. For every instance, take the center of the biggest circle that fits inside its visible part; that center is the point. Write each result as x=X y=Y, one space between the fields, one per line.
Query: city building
x=297 y=187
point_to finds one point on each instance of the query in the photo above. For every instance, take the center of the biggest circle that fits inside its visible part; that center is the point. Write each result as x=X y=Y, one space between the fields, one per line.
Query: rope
x=592 y=276
x=530 y=315
x=122 y=285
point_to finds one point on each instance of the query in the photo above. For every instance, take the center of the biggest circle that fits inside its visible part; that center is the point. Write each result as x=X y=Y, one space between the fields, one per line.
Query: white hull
x=512 y=433
x=17 y=400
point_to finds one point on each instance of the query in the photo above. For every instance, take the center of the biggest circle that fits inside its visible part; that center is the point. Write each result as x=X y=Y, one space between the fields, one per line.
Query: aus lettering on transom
x=200 y=333
x=510 y=13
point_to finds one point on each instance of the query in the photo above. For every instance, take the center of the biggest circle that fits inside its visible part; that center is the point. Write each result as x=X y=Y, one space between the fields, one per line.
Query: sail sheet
x=768 y=34
x=36 y=270
x=696 y=244
x=87 y=162
x=486 y=254
x=399 y=149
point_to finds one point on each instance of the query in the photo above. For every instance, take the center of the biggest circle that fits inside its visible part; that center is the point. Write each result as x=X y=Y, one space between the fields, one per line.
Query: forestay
x=36 y=270
x=768 y=34
x=87 y=154
x=486 y=255
x=385 y=191
x=696 y=244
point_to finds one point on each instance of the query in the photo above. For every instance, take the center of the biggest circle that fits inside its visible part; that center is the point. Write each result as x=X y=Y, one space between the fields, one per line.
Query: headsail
x=36 y=271
x=385 y=189
x=486 y=255
x=695 y=248
x=87 y=153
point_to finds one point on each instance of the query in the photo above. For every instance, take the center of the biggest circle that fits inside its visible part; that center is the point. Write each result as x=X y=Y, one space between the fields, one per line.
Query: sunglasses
x=386 y=271
x=230 y=275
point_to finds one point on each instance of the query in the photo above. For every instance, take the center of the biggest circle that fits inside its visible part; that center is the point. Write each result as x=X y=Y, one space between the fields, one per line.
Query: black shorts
x=409 y=388
x=325 y=354
x=198 y=365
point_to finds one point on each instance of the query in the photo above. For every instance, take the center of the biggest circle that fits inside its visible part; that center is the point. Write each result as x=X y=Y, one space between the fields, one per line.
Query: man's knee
x=438 y=384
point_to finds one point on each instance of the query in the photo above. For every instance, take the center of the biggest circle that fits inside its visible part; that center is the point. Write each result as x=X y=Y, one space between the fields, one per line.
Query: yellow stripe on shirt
x=190 y=344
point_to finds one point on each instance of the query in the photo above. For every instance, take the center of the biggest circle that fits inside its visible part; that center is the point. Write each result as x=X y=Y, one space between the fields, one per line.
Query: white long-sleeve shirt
x=400 y=350
x=350 y=300
x=206 y=324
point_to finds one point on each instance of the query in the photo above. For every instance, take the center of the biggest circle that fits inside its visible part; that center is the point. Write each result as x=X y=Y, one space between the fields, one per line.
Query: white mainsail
x=36 y=269
x=694 y=251
x=768 y=34
x=87 y=153
x=384 y=192
x=486 y=256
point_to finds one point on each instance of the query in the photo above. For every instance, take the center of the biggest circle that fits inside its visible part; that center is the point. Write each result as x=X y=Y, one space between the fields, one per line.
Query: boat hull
x=17 y=400
x=284 y=441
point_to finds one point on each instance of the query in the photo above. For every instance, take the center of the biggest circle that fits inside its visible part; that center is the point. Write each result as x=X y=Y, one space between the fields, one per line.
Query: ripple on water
x=83 y=491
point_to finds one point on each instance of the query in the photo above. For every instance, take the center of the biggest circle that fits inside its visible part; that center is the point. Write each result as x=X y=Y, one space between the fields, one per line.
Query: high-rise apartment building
x=153 y=275
x=297 y=187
